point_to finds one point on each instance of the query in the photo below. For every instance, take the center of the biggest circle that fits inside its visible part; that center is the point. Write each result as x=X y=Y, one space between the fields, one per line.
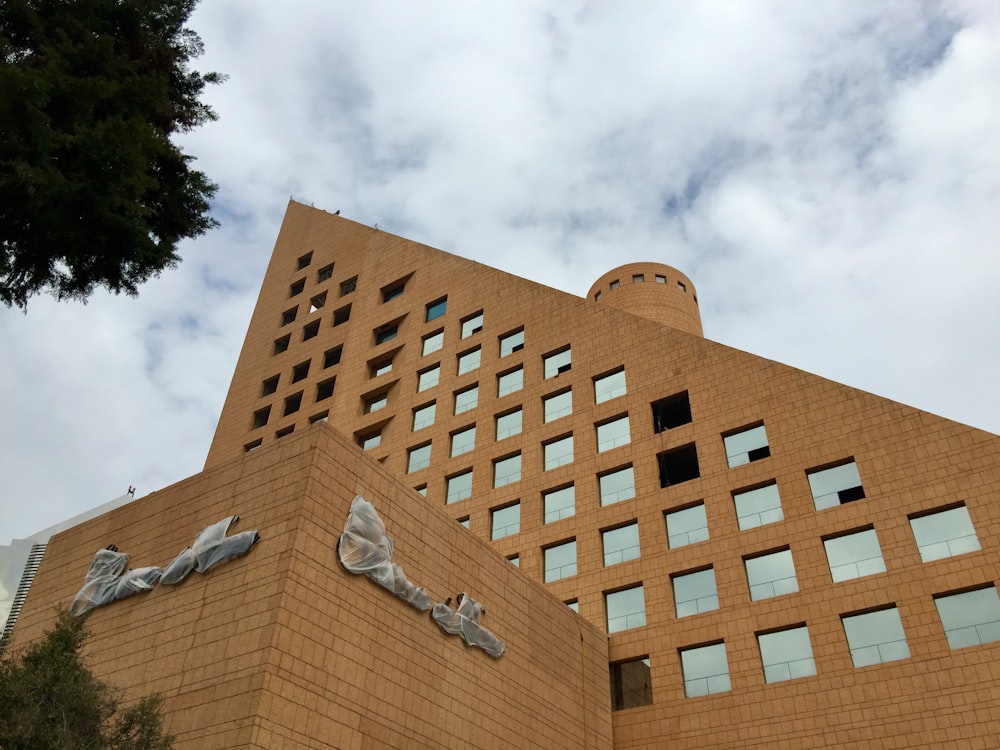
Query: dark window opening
x=252 y=446
x=564 y=368
x=304 y=261
x=300 y=371
x=346 y=287
x=670 y=412
x=260 y=417
x=386 y=333
x=392 y=292
x=342 y=315
x=288 y=316
x=630 y=684
x=296 y=287
x=325 y=273
x=281 y=344
x=332 y=356
x=269 y=386
x=323 y=416
x=285 y=431
x=317 y=302
x=325 y=389
x=678 y=465
x=292 y=403
x=310 y=330
x=758 y=453
x=851 y=494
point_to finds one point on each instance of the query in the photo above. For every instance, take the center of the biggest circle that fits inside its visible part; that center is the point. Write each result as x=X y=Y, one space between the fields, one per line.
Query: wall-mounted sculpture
x=211 y=547
x=465 y=622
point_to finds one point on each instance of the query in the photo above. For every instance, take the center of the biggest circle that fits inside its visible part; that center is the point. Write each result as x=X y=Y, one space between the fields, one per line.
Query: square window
x=288 y=316
x=463 y=441
x=630 y=684
x=558 y=452
x=558 y=405
x=310 y=331
x=670 y=412
x=303 y=261
x=376 y=401
x=758 y=507
x=560 y=561
x=432 y=343
x=467 y=399
x=369 y=440
x=511 y=342
x=469 y=361
x=970 y=618
x=325 y=273
x=638 y=278
x=346 y=287
x=854 y=555
x=428 y=378
x=386 y=333
x=342 y=315
x=331 y=357
x=506 y=470
x=695 y=592
x=300 y=371
x=835 y=486
x=418 y=458
x=459 y=487
x=292 y=403
x=609 y=386
x=620 y=544
x=297 y=287
x=746 y=445
x=269 y=386
x=617 y=486
x=510 y=382
x=423 y=416
x=254 y=445
x=875 y=637
x=681 y=286
x=678 y=465
x=509 y=424
x=614 y=285
x=285 y=431
x=771 y=574
x=324 y=389
x=786 y=654
x=506 y=521
x=706 y=670
x=559 y=503
x=380 y=366
x=686 y=526
x=944 y=533
x=436 y=309
x=391 y=291
x=557 y=363
x=613 y=434
x=317 y=302
x=660 y=279
x=626 y=609
x=260 y=417
x=281 y=345
x=472 y=325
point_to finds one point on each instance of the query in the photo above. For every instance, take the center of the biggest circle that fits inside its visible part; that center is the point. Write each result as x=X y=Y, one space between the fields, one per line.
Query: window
x=746 y=446
x=285 y=431
x=758 y=507
x=296 y=287
x=626 y=609
x=558 y=452
x=875 y=637
x=421 y=489
x=630 y=684
x=613 y=434
x=660 y=279
x=678 y=465
x=614 y=285
x=686 y=526
x=854 y=555
x=432 y=342
x=786 y=654
x=609 y=386
x=323 y=416
x=376 y=401
x=467 y=399
x=706 y=670
x=281 y=345
x=970 y=618
x=621 y=544
x=269 y=386
x=510 y=382
x=836 y=485
x=515 y=560
x=464 y=522
x=944 y=533
x=253 y=445
x=560 y=561
x=324 y=389
x=597 y=296
x=557 y=364
x=472 y=325
x=303 y=261
x=617 y=486
x=428 y=378
x=386 y=333
x=418 y=458
x=292 y=403
x=342 y=315
x=325 y=273
x=509 y=424
x=260 y=417
x=771 y=574
x=682 y=286
x=300 y=371
x=511 y=342
x=505 y=521
x=469 y=361
x=436 y=309
x=695 y=592
x=369 y=440
x=310 y=331
x=463 y=441
x=395 y=289
x=559 y=503
x=331 y=357
x=558 y=405
x=671 y=412
x=638 y=278
x=288 y=316
x=506 y=470
x=459 y=487
x=574 y=605
x=346 y=287
x=423 y=416
x=317 y=302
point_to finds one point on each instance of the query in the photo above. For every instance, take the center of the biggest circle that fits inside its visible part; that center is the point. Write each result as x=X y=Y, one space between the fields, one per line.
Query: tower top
x=652 y=291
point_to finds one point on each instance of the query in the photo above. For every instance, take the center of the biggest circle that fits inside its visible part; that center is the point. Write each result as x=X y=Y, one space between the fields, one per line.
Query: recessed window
x=342 y=315
x=510 y=382
x=836 y=485
x=614 y=284
x=459 y=487
x=695 y=592
x=771 y=574
x=944 y=533
x=269 y=386
x=558 y=452
x=970 y=618
x=509 y=424
x=875 y=637
x=511 y=342
x=428 y=378
x=423 y=416
x=746 y=445
x=515 y=560
x=300 y=371
x=432 y=343
x=325 y=273
x=380 y=366
x=376 y=401
x=296 y=287
x=467 y=400
x=386 y=333
x=303 y=261
x=391 y=291
x=288 y=316
x=505 y=521
x=370 y=439
x=557 y=363
x=346 y=287
x=281 y=345
x=620 y=544
x=331 y=357
x=559 y=503
x=686 y=526
x=506 y=470
x=469 y=361
x=324 y=389
x=285 y=431
x=597 y=296
x=421 y=489
x=617 y=485
x=253 y=445
x=463 y=441
x=464 y=522
x=436 y=309
x=631 y=686
x=660 y=279
x=317 y=302
x=558 y=405
x=574 y=605
x=609 y=386
x=323 y=416
x=472 y=325
x=260 y=417
x=292 y=403
x=786 y=654
x=854 y=555
x=310 y=331
x=626 y=609
x=638 y=278
x=678 y=465
x=670 y=412
x=418 y=458
x=613 y=434
x=560 y=561
x=682 y=286
x=758 y=507
x=706 y=670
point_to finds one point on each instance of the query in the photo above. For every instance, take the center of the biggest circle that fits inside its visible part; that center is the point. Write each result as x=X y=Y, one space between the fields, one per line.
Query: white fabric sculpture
x=465 y=622
x=107 y=581
x=212 y=547
x=364 y=549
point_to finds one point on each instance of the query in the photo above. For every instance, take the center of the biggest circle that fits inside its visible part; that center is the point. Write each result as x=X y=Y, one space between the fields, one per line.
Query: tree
x=93 y=192
x=49 y=700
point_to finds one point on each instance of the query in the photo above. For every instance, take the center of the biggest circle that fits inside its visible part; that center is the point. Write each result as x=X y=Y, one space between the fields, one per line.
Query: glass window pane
x=507 y=470
x=626 y=609
x=630 y=684
x=558 y=405
x=463 y=441
x=609 y=387
x=557 y=363
x=466 y=400
x=854 y=555
x=459 y=487
x=686 y=526
x=944 y=534
x=472 y=325
x=424 y=416
x=758 y=507
x=771 y=575
x=613 y=434
x=617 y=486
x=836 y=485
x=513 y=342
x=786 y=654
x=746 y=446
x=559 y=503
x=695 y=592
x=560 y=561
x=433 y=342
x=428 y=378
x=506 y=521
x=970 y=618
x=621 y=544
x=510 y=382
x=419 y=458
x=558 y=452
x=876 y=637
x=469 y=361
x=436 y=309
x=705 y=669
x=509 y=424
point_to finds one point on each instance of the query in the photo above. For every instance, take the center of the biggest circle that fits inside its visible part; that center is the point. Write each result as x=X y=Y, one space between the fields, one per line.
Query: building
x=757 y=556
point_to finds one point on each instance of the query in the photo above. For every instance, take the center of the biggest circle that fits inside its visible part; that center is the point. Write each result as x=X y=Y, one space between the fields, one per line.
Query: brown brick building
x=779 y=560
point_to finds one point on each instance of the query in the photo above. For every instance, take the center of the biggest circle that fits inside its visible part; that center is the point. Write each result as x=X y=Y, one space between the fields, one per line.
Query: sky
x=827 y=173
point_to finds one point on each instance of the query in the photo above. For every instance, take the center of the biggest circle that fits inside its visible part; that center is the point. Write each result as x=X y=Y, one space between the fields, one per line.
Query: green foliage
x=49 y=700
x=92 y=190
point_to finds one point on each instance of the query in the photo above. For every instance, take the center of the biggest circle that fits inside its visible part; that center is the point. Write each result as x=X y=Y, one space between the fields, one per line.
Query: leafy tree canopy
x=49 y=700
x=92 y=190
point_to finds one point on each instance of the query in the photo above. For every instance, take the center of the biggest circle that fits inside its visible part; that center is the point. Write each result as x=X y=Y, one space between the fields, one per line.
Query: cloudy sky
x=827 y=172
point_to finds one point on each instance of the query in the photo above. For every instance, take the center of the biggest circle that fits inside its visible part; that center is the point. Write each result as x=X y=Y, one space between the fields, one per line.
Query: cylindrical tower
x=653 y=291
